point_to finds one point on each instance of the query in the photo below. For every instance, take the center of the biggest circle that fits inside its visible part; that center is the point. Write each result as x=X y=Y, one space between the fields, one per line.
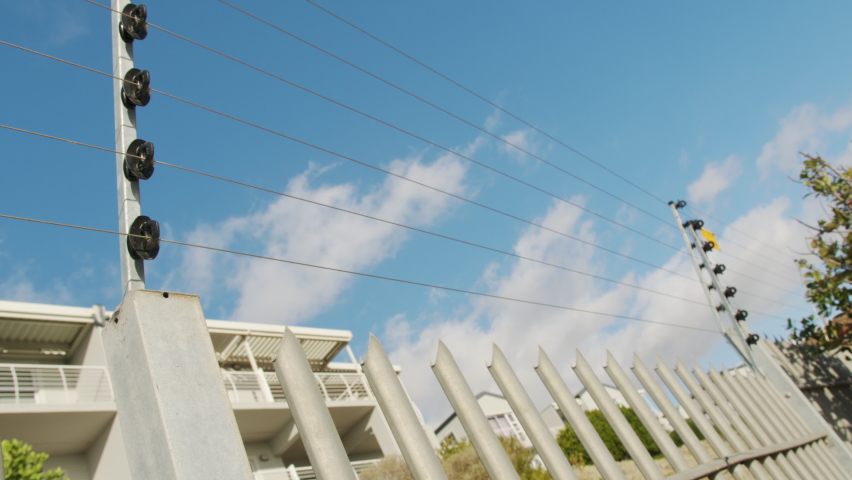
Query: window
x=506 y=425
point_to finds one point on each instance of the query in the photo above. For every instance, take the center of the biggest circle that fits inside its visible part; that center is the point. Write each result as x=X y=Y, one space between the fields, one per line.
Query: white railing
x=244 y=387
x=51 y=384
x=305 y=473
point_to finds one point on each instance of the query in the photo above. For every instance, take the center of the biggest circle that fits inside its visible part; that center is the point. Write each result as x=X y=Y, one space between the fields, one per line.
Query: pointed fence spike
x=472 y=418
x=577 y=418
x=619 y=424
x=531 y=421
x=310 y=413
x=400 y=415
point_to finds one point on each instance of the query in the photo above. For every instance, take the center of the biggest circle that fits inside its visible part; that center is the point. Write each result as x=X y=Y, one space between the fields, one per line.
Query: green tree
x=21 y=463
x=828 y=284
x=576 y=452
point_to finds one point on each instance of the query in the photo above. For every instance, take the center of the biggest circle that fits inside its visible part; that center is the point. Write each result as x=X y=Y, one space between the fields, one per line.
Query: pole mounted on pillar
x=739 y=344
x=137 y=163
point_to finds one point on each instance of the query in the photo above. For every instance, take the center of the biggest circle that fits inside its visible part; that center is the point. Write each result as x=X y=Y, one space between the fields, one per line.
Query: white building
x=499 y=415
x=55 y=392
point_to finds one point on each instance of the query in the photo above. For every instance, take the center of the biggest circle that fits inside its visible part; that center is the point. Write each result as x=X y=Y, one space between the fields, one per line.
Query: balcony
x=305 y=473
x=53 y=384
x=246 y=387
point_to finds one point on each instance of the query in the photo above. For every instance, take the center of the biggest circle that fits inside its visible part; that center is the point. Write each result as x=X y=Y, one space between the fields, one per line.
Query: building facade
x=56 y=394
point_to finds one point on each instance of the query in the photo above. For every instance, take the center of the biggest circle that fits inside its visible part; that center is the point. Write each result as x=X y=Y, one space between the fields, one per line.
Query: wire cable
x=422 y=138
x=379 y=169
x=446 y=237
x=406 y=132
x=447 y=112
x=375 y=168
x=368 y=275
x=516 y=117
x=295 y=197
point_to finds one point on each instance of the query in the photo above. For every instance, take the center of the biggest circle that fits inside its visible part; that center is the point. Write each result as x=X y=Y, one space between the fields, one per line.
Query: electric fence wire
x=368 y=275
x=696 y=213
x=427 y=232
x=406 y=132
x=295 y=197
x=368 y=165
x=345 y=157
x=516 y=117
x=453 y=115
x=451 y=151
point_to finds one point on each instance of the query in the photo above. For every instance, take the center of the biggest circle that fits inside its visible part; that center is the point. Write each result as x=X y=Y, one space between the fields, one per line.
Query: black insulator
x=719 y=269
x=701 y=265
x=730 y=292
x=720 y=308
x=698 y=224
x=741 y=315
x=134 y=23
x=708 y=246
x=137 y=88
x=752 y=338
x=680 y=204
x=143 y=241
x=711 y=287
x=139 y=161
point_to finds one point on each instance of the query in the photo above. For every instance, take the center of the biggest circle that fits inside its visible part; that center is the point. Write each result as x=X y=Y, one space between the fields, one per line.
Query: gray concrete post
x=176 y=418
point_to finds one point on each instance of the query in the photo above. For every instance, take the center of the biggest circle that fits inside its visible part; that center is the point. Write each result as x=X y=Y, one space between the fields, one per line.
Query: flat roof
x=39 y=330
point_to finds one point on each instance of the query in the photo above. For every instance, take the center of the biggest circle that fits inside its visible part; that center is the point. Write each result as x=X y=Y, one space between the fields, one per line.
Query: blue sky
x=709 y=103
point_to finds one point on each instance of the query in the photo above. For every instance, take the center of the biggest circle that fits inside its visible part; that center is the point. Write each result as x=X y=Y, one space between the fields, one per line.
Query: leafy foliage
x=21 y=463
x=461 y=462
x=828 y=287
x=464 y=464
x=576 y=452
x=679 y=441
x=392 y=467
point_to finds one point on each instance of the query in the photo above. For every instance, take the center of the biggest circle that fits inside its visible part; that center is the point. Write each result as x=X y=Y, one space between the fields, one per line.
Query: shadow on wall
x=826 y=380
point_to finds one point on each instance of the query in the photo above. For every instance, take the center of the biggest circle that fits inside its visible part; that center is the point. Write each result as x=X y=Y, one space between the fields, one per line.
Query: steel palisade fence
x=745 y=420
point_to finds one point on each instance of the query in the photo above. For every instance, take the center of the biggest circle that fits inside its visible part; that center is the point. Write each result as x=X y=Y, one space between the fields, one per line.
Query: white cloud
x=715 y=179
x=279 y=293
x=519 y=329
x=19 y=288
x=804 y=129
x=519 y=138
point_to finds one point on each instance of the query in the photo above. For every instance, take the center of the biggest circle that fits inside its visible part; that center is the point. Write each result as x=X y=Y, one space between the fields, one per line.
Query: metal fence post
x=529 y=417
x=577 y=418
x=697 y=416
x=319 y=435
x=472 y=418
x=753 y=421
x=660 y=435
x=129 y=199
x=399 y=413
x=778 y=430
x=719 y=419
x=670 y=411
x=175 y=415
x=799 y=424
x=616 y=419
x=796 y=427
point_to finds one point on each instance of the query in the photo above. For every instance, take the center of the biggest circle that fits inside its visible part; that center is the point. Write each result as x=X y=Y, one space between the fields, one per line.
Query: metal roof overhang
x=30 y=330
x=229 y=339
